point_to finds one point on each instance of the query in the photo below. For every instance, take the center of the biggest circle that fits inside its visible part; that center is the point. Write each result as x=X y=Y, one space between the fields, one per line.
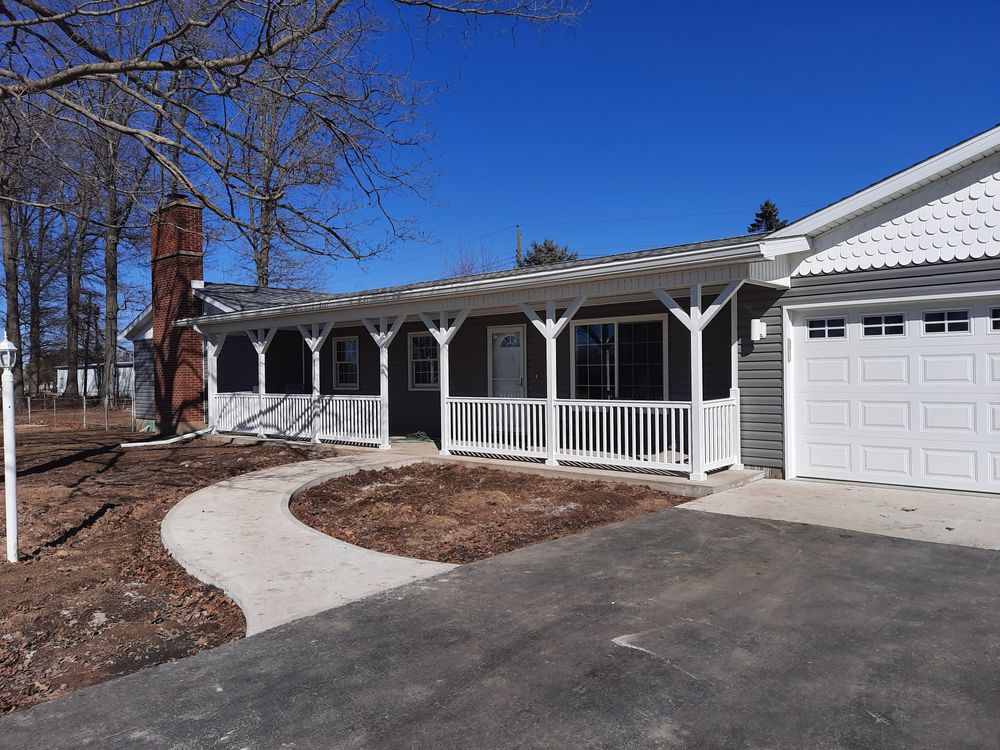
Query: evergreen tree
x=544 y=253
x=767 y=219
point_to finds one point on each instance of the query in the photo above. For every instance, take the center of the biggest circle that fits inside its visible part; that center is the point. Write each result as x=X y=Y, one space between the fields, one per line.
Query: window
x=423 y=362
x=995 y=319
x=827 y=328
x=345 y=362
x=947 y=321
x=619 y=360
x=882 y=325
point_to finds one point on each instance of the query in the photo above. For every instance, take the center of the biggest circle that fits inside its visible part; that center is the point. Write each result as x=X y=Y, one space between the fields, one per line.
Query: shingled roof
x=240 y=298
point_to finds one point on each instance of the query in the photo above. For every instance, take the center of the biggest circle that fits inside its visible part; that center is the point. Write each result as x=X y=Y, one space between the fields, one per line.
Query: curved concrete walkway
x=240 y=536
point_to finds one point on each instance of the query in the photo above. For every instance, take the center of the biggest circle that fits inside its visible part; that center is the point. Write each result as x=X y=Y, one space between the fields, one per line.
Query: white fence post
x=261 y=339
x=550 y=329
x=696 y=321
x=315 y=336
x=443 y=334
x=383 y=337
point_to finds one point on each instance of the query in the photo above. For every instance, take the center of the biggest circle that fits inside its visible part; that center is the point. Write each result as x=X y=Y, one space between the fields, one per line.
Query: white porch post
x=315 y=335
x=696 y=321
x=443 y=334
x=734 y=379
x=383 y=336
x=551 y=328
x=261 y=339
x=213 y=348
x=697 y=440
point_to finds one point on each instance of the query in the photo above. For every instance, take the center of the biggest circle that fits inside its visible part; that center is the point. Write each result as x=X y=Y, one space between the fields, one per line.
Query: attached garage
x=897 y=393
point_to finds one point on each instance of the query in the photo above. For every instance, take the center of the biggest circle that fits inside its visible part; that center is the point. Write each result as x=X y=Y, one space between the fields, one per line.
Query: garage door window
x=827 y=328
x=883 y=325
x=995 y=319
x=947 y=321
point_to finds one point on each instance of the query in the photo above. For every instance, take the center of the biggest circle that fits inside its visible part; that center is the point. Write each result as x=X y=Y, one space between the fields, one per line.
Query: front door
x=507 y=362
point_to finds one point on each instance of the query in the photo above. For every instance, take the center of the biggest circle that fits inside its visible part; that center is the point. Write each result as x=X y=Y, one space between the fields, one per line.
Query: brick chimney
x=178 y=365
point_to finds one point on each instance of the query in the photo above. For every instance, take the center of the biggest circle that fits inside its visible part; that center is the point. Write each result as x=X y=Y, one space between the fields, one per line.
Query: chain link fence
x=90 y=412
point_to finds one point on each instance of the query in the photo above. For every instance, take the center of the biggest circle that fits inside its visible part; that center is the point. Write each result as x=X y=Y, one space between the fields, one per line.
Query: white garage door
x=904 y=394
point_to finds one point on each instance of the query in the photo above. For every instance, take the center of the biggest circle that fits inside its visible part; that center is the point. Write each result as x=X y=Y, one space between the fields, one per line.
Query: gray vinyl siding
x=760 y=367
x=145 y=385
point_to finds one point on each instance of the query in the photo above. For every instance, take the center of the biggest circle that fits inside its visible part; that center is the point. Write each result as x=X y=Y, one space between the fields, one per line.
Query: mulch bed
x=97 y=595
x=458 y=514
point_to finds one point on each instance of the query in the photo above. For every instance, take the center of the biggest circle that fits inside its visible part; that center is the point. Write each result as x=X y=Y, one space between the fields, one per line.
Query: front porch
x=639 y=382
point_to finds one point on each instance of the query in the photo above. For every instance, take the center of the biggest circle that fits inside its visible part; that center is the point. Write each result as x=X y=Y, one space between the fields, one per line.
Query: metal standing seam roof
x=243 y=298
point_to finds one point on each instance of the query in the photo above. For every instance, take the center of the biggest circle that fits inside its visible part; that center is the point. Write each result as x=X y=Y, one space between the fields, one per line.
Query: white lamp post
x=8 y=358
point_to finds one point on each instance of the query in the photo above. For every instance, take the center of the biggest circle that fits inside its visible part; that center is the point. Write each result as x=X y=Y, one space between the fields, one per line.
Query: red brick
x=177 y=256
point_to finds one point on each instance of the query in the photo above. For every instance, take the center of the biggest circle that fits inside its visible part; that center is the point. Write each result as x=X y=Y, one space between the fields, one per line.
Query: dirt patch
x=97 y=595
x=458 y=514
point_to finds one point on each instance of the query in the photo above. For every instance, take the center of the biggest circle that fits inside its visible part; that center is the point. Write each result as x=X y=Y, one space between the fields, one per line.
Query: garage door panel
x=827 y=413
x=887 y=460
x=884 y=415
x=831 y=456
x=828 y=370
x=919 y=408
x=944 y=464
x=947 y=368
x=938 y=416
x=879 y=370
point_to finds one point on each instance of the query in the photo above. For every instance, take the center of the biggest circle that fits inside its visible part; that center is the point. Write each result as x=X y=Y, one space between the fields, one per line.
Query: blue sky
x=655 y=123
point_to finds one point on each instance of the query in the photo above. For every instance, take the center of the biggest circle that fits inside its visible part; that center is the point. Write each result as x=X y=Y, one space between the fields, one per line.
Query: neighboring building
x=88 y=379
x=861 y=342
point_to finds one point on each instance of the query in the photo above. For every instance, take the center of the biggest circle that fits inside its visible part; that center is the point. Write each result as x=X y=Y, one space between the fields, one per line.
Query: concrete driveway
x=680 y=629
x=962 y=518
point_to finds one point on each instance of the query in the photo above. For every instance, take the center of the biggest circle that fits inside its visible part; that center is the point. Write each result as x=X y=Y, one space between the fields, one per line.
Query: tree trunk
x=74 y=272
x=33 y=260
x=13 y=324
x=112 y=236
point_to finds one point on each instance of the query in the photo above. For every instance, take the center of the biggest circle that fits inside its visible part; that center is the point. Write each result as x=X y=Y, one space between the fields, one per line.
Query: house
x=92 y=374
x=861 y=342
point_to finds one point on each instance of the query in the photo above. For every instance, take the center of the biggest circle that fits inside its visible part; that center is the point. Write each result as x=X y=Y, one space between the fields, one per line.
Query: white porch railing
x=720 y=434
x=504 y=426
x=637 y=434
x=346 y=419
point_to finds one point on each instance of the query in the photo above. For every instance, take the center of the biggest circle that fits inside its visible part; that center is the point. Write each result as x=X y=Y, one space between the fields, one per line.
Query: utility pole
x=519 y=257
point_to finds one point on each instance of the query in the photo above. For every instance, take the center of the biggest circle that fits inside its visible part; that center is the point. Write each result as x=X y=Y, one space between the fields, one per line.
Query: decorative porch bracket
x=315 y=335
x=696 y=321
x=443 y=334
x=551 y=328
x=383 y=336
x=261 y=339
x=213 y=348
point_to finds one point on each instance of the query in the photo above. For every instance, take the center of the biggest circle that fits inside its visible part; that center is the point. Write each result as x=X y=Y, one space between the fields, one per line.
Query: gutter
x=749 y=251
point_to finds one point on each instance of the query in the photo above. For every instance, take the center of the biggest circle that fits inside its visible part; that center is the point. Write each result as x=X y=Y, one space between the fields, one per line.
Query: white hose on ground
x=167 y=441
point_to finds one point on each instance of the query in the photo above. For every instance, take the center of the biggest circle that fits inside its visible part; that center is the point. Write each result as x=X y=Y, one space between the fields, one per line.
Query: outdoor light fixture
x=8 y=358
x=8 y=355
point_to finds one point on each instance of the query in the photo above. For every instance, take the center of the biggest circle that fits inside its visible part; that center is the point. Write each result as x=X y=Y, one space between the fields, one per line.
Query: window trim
x=616 y=319
x=409 y=361
x=337 y=385
x=826 y=328
x=522 y=330
x=967 y=310
x=883 y=334
x=993 y=320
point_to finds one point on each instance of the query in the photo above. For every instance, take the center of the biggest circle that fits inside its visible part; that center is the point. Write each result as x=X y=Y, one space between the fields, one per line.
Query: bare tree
x=465 y=261
x=188 y=63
